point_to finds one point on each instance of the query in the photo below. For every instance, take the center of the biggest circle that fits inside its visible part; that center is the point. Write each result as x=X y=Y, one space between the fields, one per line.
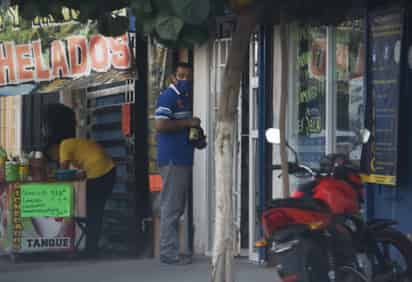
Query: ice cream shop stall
x=43 y=207
x=41 y=216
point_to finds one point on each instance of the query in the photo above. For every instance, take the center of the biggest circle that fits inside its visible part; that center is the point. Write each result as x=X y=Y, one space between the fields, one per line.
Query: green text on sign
x=46 y=200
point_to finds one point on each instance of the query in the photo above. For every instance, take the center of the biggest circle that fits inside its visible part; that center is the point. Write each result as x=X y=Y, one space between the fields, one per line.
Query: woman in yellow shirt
x=58 y=130
x=99 y=170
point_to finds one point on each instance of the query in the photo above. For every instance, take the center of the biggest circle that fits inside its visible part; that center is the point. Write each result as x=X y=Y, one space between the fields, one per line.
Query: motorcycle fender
x=301 y=259
x=380 y=224
x=289 y=233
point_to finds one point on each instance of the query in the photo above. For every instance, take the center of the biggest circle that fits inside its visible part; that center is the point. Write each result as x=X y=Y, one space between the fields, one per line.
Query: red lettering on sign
x=60 y=67
x=25 y=64
x=78 y=55
x=7 y=67
x=99 y=53
x=42 y=72
x=120 y=52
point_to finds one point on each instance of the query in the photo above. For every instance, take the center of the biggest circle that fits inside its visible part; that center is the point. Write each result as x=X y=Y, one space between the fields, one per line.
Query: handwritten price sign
x=46 y=200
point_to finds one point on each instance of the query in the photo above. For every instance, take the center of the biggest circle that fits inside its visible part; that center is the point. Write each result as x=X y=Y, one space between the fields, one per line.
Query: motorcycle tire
x=350 y=274
x=390 y=237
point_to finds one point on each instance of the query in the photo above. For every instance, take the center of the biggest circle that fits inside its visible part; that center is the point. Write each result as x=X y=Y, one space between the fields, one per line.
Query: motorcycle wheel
x=397 y=251
x=350 y=274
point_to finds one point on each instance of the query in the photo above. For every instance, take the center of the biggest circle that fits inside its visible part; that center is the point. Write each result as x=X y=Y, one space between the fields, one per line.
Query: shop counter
x=42 y=217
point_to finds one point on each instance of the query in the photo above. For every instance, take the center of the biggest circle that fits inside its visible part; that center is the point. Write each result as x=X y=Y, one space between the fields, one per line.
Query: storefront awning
x=95 y=79
x=23 y=89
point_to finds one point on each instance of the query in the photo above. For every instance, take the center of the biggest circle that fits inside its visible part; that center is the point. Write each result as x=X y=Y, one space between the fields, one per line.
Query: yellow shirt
x=87 y=155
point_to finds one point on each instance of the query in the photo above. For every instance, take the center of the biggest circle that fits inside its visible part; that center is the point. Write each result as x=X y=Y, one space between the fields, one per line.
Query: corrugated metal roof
x=94 y=79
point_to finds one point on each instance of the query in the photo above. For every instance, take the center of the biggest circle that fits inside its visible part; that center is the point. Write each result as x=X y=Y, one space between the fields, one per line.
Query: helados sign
x=72 y=57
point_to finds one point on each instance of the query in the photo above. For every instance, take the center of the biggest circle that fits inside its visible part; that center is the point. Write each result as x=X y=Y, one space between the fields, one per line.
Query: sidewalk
x=124 y=270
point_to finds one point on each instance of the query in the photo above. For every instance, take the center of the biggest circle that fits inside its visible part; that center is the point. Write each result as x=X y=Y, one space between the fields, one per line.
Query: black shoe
x=180 y=260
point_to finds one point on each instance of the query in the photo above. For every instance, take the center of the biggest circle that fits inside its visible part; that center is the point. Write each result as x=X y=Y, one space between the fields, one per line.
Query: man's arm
x=164 y=119
x=170 y=125
x=65 y=149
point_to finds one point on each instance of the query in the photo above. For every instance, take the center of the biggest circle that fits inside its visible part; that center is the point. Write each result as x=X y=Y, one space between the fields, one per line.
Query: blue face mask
x=184 y=86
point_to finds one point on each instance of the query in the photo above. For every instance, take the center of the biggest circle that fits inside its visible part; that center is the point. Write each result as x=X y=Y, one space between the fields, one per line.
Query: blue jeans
x=176 y=184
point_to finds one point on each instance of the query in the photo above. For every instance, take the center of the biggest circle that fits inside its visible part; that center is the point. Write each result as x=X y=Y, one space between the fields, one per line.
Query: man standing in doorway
x=174 y=158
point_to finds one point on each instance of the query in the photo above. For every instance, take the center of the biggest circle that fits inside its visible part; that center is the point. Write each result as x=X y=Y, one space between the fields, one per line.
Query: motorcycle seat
x=307 y=188
x=298 y=203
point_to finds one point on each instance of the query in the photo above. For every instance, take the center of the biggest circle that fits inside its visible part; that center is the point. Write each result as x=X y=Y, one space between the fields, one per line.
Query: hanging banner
x=45 y=50
x=384 y=80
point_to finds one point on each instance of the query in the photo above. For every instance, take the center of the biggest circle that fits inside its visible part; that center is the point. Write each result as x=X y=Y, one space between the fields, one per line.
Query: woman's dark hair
x=58 y=122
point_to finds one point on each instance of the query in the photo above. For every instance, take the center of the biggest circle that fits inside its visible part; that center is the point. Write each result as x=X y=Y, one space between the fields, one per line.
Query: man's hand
x=65 y=165
x=81 y=175
x=194 y=122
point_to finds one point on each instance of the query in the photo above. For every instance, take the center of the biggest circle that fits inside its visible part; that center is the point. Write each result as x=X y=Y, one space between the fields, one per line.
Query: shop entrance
x=104 y=113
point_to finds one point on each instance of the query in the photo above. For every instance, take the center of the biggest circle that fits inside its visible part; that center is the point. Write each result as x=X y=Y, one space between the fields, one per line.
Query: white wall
x=201 y=168
x=277 y=191
x=11 y=124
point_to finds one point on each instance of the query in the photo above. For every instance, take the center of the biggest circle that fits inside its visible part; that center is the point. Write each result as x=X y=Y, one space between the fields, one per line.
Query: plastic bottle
x=24 y=168
x=12 y=170
x=37 y=167
x=3 y=158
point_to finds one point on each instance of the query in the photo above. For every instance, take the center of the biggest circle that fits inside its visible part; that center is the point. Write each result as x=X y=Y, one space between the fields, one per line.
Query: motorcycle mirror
x=364 y=135
x=273 y=135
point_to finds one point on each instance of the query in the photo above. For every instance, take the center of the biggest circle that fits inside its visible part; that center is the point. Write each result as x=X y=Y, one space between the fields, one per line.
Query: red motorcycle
x=319 y=234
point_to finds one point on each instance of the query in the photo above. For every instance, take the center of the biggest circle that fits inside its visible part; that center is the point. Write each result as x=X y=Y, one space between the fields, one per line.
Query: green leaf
x=109 y=26
x=149 y=26
x=217 y=7
x=191 y=11
x=29 y=11
x=87 y=11
x=142 y=6
x=192 y=35
x=168 y=27
x=162 y=6
x=56 y=12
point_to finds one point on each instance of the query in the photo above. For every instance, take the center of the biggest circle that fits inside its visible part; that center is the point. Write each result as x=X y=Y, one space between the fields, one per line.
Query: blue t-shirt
x=174 y=147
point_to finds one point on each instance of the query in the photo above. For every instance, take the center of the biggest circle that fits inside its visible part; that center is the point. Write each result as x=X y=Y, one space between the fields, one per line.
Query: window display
x=310 y=76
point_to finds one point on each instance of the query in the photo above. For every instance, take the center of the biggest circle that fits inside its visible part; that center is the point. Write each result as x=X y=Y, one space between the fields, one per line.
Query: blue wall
x=392 y=203
x=396 y=202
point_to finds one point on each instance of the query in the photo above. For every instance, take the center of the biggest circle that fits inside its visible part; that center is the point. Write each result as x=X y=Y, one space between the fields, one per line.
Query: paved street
x=123 y=270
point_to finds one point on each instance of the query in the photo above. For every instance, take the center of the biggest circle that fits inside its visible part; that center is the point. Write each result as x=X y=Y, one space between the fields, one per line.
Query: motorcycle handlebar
x=276 y=167
x=294 y=168
x=291 y=166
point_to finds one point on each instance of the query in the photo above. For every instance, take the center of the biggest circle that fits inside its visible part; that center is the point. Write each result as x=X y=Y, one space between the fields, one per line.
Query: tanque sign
x=41 y=217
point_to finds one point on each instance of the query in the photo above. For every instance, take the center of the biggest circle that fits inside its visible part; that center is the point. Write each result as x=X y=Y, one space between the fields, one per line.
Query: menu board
x=385 y=30
x=46 y=200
